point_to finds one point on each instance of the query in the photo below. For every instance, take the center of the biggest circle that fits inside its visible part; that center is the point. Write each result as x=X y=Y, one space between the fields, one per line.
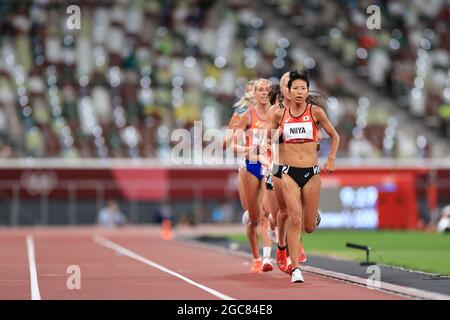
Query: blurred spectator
x=359 y=146
x=187 y=219
x=408 y=56
x=165 y=212
x=110 y=216
x=444 y=222
x=222 y=213
x=200 y=212
x=138 y=70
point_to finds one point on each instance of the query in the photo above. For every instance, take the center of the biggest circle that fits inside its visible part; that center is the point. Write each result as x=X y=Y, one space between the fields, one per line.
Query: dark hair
x=274 y=93
x=318 y=99
x=296 y=75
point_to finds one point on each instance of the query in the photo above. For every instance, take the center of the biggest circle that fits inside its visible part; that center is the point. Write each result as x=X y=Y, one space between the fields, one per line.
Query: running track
x=135 y=263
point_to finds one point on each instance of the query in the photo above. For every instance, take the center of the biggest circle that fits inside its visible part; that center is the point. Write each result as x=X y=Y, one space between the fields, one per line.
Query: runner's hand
x=329 y=165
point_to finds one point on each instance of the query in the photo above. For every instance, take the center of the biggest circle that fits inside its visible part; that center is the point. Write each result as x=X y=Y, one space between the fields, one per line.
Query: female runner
x=241 y=107
x=301 y=174
x=253 y=123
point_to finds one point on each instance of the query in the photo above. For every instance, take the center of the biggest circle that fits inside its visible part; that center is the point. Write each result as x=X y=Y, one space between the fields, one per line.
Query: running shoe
x=273 y=234
x=267 y=265
x=281 y=259
x=256 y=267
x=319 y=218
x=302 y=257
x=297 y=276
x=289 y=266
x=246 y=218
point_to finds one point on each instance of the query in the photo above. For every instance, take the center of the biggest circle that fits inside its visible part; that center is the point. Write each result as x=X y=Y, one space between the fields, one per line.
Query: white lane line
x=35 y=295
x=113 y=246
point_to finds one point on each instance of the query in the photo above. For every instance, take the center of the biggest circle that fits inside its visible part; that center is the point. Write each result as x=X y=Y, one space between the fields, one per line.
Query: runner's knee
x=283 y=214
x=310 y=228
x=295 y=221
x=254 y=222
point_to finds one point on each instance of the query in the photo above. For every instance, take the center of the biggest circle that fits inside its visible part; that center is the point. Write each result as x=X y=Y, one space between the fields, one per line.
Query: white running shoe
x=267 y=265
x=246 y=218
x=273 y=234
x=319 y=218
x=297 y=276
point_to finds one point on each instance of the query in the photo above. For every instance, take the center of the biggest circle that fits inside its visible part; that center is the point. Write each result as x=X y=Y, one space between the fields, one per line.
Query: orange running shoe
x=256 y=267
x=281 y=259
x=302 y=257
x=289 y=266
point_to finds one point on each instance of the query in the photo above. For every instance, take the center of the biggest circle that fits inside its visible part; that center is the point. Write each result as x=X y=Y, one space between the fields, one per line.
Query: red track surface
x=105 y=274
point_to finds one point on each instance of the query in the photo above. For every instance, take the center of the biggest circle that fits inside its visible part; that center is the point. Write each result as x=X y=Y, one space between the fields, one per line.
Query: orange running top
x=256 y=132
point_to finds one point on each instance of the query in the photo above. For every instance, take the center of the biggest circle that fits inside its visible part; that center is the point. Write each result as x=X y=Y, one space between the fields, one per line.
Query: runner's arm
x=321 y=117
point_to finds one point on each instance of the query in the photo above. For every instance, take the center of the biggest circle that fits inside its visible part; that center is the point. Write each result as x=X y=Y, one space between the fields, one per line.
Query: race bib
x=298 y=131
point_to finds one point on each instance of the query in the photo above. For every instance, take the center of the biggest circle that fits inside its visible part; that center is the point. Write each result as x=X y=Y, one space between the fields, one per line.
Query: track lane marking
x=118 y=248
x=385 y=287
x=35 y=294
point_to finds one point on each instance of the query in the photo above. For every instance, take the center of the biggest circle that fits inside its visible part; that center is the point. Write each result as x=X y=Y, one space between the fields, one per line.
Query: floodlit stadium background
x=87 y=114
